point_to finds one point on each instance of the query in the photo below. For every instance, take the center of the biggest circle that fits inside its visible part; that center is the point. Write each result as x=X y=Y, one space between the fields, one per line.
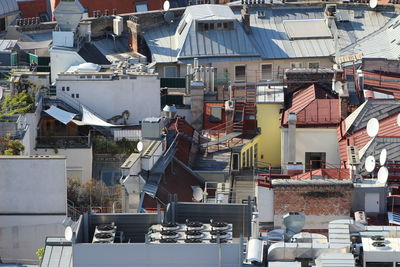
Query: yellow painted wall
x=269 y=143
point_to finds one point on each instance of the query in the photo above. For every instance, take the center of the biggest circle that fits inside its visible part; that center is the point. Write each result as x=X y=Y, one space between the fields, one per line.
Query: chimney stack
x=245 y=18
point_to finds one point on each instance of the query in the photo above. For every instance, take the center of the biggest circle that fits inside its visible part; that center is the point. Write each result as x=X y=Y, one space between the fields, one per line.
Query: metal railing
x=63 y=141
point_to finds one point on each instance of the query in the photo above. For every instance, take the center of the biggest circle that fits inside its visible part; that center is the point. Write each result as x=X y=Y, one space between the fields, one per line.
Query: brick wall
x=32 y=9
x=332 y=200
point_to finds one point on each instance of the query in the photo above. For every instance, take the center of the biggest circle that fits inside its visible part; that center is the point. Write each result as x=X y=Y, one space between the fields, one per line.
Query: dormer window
x=209 y=26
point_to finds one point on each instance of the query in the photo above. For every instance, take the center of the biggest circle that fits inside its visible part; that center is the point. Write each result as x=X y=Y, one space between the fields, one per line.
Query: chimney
x=245 y=18
x=292 y=137
x=134 y=35
x=197 y=104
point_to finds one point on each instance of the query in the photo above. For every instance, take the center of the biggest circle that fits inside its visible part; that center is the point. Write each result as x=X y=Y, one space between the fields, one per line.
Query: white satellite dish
x=139 y=146
x=373 y=3
x=398 y=120
x=383 y=175
x=197 y=193
x=68 y=233
x=166 y=6
x=373 y=127
x=370 y=163
x=383 y=156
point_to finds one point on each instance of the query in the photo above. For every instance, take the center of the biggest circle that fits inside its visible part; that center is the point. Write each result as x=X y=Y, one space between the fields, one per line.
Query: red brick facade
x=207 y=113
x=333 y=200
x=31 y=9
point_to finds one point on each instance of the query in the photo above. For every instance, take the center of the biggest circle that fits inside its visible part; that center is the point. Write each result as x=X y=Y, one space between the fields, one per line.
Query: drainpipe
x=292 y=137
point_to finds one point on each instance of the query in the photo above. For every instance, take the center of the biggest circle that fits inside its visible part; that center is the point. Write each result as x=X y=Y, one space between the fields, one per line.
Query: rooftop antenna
x=373 y=3
x=383 y=157
x=373 y=127
x=370 y=164
x=383 y=175
x=139 y=146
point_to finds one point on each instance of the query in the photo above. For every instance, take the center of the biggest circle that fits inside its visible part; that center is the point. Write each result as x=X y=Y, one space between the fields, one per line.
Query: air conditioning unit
x=230 y=105
x=118 y=25
x=353 y=157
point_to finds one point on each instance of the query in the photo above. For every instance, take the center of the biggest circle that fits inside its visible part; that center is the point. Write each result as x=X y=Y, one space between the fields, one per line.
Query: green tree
x=9 y=146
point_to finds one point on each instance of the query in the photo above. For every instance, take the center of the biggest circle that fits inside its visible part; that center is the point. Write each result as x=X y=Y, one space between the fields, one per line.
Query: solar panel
x=307 y=29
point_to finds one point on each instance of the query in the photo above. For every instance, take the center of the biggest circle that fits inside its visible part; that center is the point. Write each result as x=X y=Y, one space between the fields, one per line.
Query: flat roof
x=299 y=182
x=32 y=157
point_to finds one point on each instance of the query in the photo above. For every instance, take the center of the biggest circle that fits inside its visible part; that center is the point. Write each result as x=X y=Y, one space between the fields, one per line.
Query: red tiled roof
x=314 y=107
x=325 y=173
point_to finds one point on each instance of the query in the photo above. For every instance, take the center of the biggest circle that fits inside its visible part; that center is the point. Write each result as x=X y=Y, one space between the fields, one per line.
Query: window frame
x=313 y=62
x=261 y=71
x=294 y=62
x=212 y=118
x=165 y=71
x=141 y=3
x=245 y=71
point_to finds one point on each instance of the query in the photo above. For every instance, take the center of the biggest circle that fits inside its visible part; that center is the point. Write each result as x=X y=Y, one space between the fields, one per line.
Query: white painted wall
x=312 y=140
x=32 y=121
x=61 y=60
x=265 y=203
x=108 y=98
x=78 y=159
x=33 y=196
x=156 y=255
x=148 y=163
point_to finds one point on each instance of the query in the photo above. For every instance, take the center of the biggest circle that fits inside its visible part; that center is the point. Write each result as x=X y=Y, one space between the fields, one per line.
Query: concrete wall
x=312 y=140
x=33 y=196
x=79 y=160
x=156 y=255
x=108 y=98
x=61 y=60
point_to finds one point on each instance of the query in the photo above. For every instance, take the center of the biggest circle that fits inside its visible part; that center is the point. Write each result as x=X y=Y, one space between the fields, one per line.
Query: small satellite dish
x=139 y=146
x=398 y=120
x=197 y=193
x=169 y=17
x=373 y=3
x=373 y=127
x=68 y=233
x=370 y=163
x=383 y=156
x=383 y=175
x=166 y=5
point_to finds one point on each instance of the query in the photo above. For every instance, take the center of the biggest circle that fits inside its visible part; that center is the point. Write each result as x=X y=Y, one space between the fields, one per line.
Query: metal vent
x=352 y=153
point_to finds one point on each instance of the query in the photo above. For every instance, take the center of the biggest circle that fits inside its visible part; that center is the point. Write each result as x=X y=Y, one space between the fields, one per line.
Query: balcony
x=63 y=142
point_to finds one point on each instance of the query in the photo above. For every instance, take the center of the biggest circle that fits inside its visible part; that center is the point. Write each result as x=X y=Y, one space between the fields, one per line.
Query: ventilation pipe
x=212 y=79
x=207 y=78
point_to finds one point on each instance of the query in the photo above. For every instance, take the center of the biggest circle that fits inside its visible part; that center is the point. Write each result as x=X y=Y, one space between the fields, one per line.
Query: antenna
x=139 y=146
x=169 y=17
x=373 y=3
x=166 y=6
x=383 y=156
x=383 y=175
x=373 y=127
x=370 y=163
x=68 y=233
x=197 y=193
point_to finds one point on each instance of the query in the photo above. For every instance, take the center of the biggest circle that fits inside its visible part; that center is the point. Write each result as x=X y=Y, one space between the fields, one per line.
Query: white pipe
x=207 y=78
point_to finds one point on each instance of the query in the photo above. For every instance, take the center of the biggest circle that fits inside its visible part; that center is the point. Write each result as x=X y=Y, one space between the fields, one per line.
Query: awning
x=89 y=118
x=60 y=115
x=34 y=45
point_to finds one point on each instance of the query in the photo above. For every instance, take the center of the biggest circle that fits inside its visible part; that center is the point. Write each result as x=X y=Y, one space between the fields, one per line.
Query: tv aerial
x=370 y=164
x=373 y=3
x=372 y=127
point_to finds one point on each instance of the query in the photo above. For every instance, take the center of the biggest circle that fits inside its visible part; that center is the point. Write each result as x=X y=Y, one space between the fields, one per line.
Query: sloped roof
x=7 y=45
x=8 y=7
x=324 y=173
x=373 y=108
x=314 y=106
x=90 y=53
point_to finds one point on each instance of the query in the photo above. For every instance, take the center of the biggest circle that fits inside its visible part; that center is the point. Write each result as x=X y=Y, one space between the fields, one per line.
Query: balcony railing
x=63 y=142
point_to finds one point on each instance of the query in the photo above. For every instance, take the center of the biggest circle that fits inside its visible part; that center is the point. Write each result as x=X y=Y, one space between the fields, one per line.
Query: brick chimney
x=134 y=35
x=245 y=18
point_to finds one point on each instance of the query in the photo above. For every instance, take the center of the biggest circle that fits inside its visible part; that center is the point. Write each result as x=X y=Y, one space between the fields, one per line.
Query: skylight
x=307 y=29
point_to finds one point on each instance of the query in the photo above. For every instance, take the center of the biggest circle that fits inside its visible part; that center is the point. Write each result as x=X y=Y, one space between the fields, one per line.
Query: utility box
x=152 y=128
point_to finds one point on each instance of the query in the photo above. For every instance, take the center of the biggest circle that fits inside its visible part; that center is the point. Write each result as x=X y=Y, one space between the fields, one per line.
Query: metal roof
x=7 y=45
x=305 y=29
x=8 y=7
x=321 y=182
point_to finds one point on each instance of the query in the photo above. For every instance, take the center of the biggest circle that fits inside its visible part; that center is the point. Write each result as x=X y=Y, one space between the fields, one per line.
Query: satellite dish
x=197 y=193
x=383 y=175
x=139 y=146
x=68 y=233
x=370 y=163
x=373 y=3
x=383 y=156
x=373 y=127
x=169 y=17
x=166 y=5
x=398 y=120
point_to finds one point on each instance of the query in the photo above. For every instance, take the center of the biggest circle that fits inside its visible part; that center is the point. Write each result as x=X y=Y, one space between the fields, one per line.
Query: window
x=240 y=73
x=2 y=24
x=235 y=162
x=63 y=88
x=315 y=160
x=141 y=6
x=82 y=77
x=266 y=72
x=296 y=65
x=73 y=95
x=170 y=71
x=215 y=114
x=225 y=25
x=67 y=88
x=77 y=95
x=313 y=65
x=219 y=25
x=211 y=26
x=238 y=115
x=75 y=174
x=243 y=159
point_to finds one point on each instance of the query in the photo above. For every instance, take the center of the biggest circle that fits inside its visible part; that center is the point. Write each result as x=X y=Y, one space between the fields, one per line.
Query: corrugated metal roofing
x=8 y=7
x=7 y=45
x=313 y=28
x=57 y=256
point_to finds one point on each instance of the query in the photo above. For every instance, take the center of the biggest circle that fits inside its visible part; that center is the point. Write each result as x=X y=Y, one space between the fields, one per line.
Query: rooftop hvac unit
x=118 y=25
x=104 y=233
x=359 y=216
x=353 y=157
